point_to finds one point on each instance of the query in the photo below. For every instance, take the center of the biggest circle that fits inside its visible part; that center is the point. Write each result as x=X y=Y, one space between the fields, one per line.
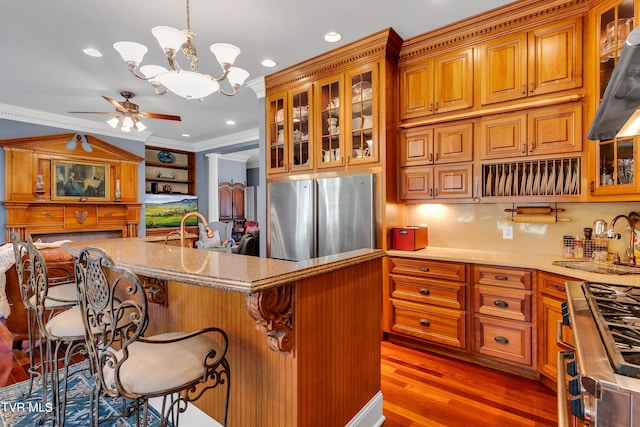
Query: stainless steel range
x=604 y=359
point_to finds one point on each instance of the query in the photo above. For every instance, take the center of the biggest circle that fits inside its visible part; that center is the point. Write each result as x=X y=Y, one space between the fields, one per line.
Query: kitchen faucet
x=184 y=220
x=632 y=218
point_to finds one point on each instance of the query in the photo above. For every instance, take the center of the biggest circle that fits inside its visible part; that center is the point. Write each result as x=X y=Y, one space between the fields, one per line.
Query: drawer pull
x=501 y=340
x=503 y=278
x=424 y=322
x=424 y=291
x=424 y=269
x=500 y=303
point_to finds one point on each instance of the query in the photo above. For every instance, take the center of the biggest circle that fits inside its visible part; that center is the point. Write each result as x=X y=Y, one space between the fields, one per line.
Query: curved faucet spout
x=632 y=226
x=184 y=220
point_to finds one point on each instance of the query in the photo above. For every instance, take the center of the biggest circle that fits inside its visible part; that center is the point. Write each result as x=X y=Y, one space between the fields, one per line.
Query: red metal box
x=409 y=238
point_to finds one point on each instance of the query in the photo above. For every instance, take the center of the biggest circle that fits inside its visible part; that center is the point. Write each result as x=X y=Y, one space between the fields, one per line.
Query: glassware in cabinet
x=614 y=166
x=363 y=114
x=277 y=161
x=330 y=123
x=301 y=135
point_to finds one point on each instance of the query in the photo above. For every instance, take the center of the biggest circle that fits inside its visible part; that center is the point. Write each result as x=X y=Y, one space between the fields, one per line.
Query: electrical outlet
x=507 y=232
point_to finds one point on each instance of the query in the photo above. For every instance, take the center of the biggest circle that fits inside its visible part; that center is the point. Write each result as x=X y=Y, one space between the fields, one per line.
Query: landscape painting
x=167 y=210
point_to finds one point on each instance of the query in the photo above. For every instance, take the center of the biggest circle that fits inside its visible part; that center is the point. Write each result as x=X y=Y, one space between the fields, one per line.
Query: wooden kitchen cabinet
x=451 y=181
x=543 y=131
x=428 y=300
x=290 y=130
x=503 y=314
x=428 y=145
x=613 y=165
x=439 y=84
x=541 y=61
x=551 y=295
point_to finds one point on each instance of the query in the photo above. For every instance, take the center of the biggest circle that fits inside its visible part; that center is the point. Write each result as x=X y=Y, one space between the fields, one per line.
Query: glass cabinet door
x=300 y=137
x=276 y=154
x=330 y=123
x=614 y=159
x=361 y=96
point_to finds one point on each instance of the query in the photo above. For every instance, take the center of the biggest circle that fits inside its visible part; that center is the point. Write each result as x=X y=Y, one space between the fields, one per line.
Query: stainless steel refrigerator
x=320 y=217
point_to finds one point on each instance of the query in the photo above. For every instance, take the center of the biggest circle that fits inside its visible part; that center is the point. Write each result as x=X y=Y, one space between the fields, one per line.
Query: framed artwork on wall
x=73 y=180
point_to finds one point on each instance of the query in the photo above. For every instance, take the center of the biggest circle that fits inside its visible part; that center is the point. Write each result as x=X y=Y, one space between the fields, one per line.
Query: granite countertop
x=516 y=259
x=239 y=273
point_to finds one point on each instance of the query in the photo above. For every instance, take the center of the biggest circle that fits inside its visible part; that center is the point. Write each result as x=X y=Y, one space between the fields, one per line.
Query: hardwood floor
x=426 y=390
x=419 y=390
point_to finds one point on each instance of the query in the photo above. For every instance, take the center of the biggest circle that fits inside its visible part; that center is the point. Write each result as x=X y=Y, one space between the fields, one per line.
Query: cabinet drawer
x=107 y=214
x=48 y=215
x=501 y=276
x=503 y=339
x=423 y=268
x=551 y=284
x=80 y=217
x=428 y=291
x=434 y=324
x=505 y=303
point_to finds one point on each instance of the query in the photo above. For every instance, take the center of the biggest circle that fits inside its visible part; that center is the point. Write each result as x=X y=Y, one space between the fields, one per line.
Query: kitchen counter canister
x=286 y=327
x=513 y=259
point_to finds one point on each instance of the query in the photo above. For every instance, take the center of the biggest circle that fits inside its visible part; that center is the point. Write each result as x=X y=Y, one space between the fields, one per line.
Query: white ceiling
x=44 y=73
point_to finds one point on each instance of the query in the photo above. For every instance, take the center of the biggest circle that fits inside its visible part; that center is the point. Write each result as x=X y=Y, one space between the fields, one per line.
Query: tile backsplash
x=480 y=226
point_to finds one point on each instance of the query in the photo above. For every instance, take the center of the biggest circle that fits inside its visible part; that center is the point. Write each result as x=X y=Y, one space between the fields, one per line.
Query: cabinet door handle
x=436 y=157
x=531 y=147
x=436 y=105
x=431 y=192
x=532 y=88
x=424 y=291
x=500 y=303
x=424 y=322
x=524 y=88
x=501 y=340
x=436 y=192
x=424 y=269
x=523 y=149
x=430 y=106
x=503 y=278
x=430 y=157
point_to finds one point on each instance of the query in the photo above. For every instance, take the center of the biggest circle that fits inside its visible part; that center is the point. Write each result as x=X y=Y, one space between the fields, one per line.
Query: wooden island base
x=304 y=337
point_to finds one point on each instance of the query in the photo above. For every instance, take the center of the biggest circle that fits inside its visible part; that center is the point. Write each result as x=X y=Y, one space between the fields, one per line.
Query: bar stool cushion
x=154 y=368
x=60 y=296
x=66 y=324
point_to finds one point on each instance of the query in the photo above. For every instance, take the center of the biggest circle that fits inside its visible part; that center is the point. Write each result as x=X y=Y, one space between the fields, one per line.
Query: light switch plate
x=507 y=232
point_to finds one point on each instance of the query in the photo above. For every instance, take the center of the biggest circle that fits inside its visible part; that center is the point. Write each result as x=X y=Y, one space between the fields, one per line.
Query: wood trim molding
x=272 y=310
x=512 y=16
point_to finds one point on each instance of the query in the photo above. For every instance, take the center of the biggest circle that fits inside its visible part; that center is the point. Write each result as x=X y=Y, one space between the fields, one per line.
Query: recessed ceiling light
x=92 y=52
x=186 y=135
x=332 y=37
x=230 y=122
x=268 y=63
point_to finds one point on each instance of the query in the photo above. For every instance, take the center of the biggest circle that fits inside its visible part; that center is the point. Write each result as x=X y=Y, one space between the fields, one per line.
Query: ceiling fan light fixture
x=113 y=122
x=188 y=84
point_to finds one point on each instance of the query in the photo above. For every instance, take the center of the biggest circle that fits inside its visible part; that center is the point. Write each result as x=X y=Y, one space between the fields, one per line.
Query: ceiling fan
x=127 y=114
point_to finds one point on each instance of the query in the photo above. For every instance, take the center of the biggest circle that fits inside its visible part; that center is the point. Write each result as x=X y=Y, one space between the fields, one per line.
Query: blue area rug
x=16 y=411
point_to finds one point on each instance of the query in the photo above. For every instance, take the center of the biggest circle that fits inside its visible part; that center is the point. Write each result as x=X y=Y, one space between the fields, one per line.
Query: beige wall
x=479 y=226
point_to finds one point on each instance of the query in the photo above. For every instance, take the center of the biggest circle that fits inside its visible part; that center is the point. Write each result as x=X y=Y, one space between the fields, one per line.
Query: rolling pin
x=533 y=210
x=536 y=219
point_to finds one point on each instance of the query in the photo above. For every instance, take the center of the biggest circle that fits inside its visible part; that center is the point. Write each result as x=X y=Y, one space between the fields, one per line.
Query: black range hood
x=622 y=95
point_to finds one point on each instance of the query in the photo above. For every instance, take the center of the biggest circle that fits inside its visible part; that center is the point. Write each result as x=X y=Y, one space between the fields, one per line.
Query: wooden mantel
x=33 y=209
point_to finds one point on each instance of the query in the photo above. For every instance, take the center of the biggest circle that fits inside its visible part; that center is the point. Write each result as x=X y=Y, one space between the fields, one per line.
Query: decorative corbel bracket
x=273 y=312
x=155 y=289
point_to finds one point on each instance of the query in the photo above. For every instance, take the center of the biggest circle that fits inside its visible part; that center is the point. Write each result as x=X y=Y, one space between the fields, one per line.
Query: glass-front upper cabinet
x=330 y=124
x=362 y=111
x=289 y=136
x=276 y=153
x=300 y=138
x=614 y=159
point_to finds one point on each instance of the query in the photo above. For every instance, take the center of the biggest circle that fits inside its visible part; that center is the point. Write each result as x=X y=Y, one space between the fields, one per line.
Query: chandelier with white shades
x=189 y=84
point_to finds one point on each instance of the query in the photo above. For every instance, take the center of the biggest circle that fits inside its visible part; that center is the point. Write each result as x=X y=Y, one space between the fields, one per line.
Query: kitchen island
x=304 y=337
